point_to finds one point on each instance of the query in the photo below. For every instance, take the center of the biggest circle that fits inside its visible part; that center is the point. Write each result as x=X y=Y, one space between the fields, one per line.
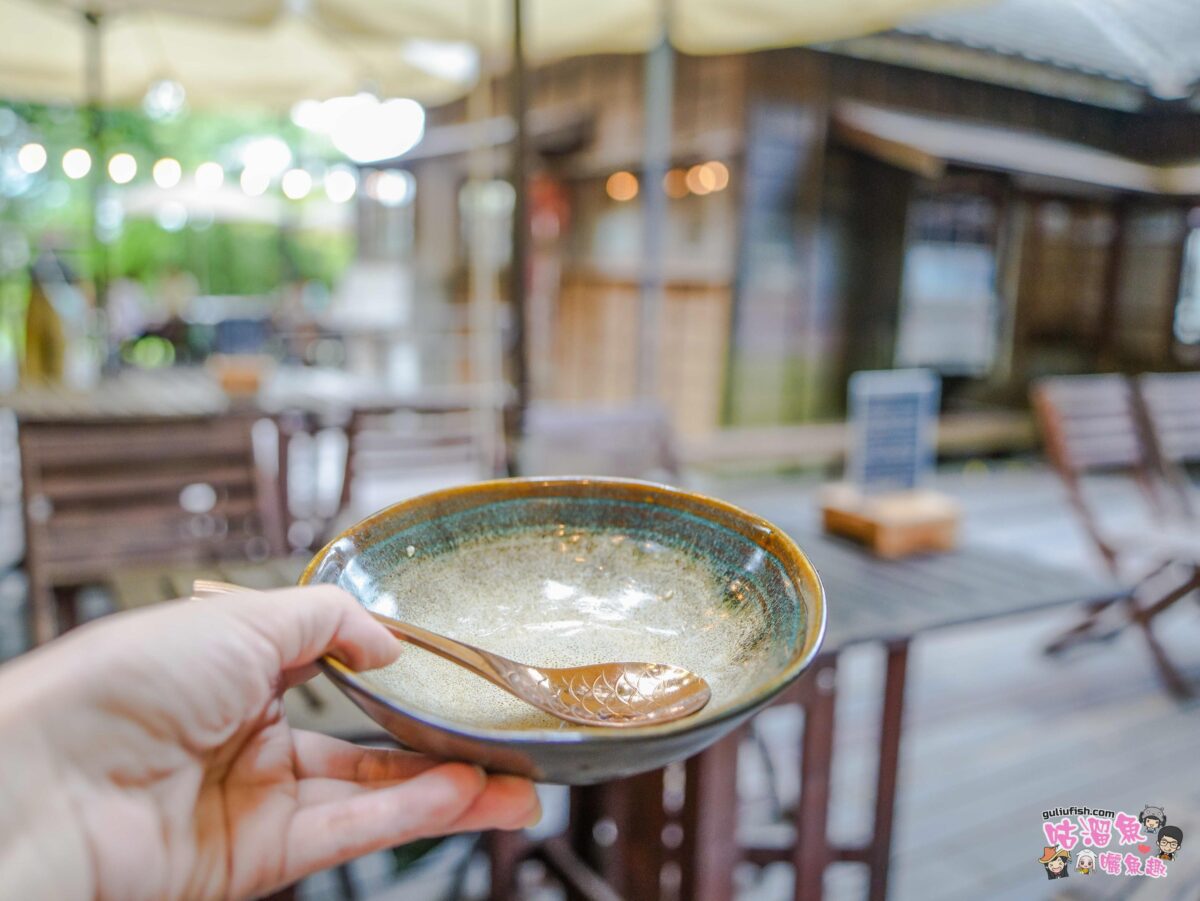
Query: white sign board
x=893 y=428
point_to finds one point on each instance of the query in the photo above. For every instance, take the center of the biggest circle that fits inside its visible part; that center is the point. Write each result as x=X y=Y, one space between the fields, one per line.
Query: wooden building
x=995 y=211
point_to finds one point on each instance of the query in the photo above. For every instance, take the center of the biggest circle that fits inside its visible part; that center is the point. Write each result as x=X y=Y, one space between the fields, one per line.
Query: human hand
x=147 y=756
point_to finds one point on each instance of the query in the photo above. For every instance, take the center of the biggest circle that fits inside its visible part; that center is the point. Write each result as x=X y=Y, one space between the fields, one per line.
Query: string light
x=167 y=172
x=122 y=168
x=720 y=174
x=76 y=163
x=621 y=186
x=32 y=158
x=675 y=184
x=296 y=184
x=700 y=180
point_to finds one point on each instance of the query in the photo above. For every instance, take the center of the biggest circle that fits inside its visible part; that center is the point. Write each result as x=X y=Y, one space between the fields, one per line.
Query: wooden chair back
x=1170 y=404
x=112 y=493
x=635 y=441
x=1091 y=424
x=394 y=453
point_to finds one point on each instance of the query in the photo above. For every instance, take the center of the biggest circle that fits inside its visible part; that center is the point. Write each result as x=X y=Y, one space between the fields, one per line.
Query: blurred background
x=269 y=265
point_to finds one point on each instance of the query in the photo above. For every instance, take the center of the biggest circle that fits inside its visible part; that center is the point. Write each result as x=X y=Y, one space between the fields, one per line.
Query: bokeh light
x=391 y=187
x=76 y=163
x=367 y=130
x=675 y=184
x=720 y=174
x=210 y=176
x=167 y=172
x=296 y=184
x=269 y=155
x=621 y=186
x=32 y=158
x=255 y=182
x=340 y=184
x=122 y=168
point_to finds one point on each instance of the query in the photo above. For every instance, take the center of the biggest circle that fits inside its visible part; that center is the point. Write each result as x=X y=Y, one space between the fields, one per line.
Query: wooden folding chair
x=1170 y=406
x=1092 y=425
x=105 y=494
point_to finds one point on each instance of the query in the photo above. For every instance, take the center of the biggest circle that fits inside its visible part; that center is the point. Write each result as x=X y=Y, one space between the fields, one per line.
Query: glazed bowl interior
x=562 y=572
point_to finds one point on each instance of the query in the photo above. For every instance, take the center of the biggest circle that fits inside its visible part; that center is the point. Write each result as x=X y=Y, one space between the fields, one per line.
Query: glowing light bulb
x=296 y=184
x=167 y=172
x=76 y=163
x=32 y=158
x=122 y=168
x=621 y=186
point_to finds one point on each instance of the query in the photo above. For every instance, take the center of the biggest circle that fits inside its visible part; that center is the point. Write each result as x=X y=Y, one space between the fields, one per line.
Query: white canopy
x=270 y=58
x=273 y=53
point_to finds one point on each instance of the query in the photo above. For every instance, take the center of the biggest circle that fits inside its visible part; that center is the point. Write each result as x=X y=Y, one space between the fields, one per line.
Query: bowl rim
x=815 y=625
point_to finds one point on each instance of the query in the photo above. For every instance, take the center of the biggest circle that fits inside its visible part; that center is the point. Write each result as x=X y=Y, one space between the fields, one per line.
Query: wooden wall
x=790 y=280
x=596 y=343
x=596 y=311
x=1148 y=285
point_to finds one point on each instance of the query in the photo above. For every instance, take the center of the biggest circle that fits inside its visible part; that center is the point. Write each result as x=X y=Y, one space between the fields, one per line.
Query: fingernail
x=534 y=818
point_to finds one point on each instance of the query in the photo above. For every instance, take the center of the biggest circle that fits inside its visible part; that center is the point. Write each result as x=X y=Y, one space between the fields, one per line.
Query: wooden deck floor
x=996 y=732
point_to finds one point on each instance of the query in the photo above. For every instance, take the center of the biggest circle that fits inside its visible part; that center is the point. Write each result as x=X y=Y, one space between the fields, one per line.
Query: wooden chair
x=1170 y=407
x=105 y=494
x=634 y=441
x=395 y=452
x=1092 y=425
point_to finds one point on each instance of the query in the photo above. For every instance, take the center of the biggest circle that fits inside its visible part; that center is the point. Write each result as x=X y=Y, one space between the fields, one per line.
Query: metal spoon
x=603 y=694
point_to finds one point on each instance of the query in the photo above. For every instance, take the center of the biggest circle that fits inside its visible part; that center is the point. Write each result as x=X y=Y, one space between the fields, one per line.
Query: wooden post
x=94 y=88
x=1107 y=351
x=811 y=851
x=710 y=848
x=880 y=852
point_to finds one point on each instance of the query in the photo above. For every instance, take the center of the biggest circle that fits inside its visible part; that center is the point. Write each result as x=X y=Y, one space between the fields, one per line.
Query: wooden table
x=623 y=841
x=672 y=833
x=182 y=392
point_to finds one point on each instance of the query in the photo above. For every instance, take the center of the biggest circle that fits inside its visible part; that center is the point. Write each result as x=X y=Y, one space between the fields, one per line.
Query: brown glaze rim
x=763 y=533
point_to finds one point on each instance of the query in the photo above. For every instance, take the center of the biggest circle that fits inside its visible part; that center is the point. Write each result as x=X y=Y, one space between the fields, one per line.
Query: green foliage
x=225 y=257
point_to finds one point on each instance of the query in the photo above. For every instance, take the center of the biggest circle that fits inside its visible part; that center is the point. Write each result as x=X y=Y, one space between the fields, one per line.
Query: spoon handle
x=491 y=666
x=494 y=668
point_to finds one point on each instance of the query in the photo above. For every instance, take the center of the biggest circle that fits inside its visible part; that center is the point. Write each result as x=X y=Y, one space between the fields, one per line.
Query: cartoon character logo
x=1055 y=860
x=1085 y=861
x=1170 y=840
x=1152 y=818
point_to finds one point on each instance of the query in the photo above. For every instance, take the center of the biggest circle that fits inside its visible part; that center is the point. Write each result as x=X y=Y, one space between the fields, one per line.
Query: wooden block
x=892 y=525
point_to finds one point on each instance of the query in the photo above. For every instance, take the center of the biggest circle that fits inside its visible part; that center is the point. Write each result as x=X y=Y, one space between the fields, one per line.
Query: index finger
x=304 y=624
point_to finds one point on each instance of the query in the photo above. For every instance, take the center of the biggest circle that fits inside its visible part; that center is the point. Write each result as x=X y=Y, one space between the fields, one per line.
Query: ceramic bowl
x=566 y=571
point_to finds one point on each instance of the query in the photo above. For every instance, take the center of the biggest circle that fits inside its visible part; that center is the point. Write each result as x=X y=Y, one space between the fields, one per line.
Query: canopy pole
x=486 y=353
x=94 y=91
x=659 y=88
x=520 y=237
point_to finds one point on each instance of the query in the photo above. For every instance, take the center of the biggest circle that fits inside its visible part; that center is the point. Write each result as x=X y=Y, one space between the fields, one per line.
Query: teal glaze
x=743 y=550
